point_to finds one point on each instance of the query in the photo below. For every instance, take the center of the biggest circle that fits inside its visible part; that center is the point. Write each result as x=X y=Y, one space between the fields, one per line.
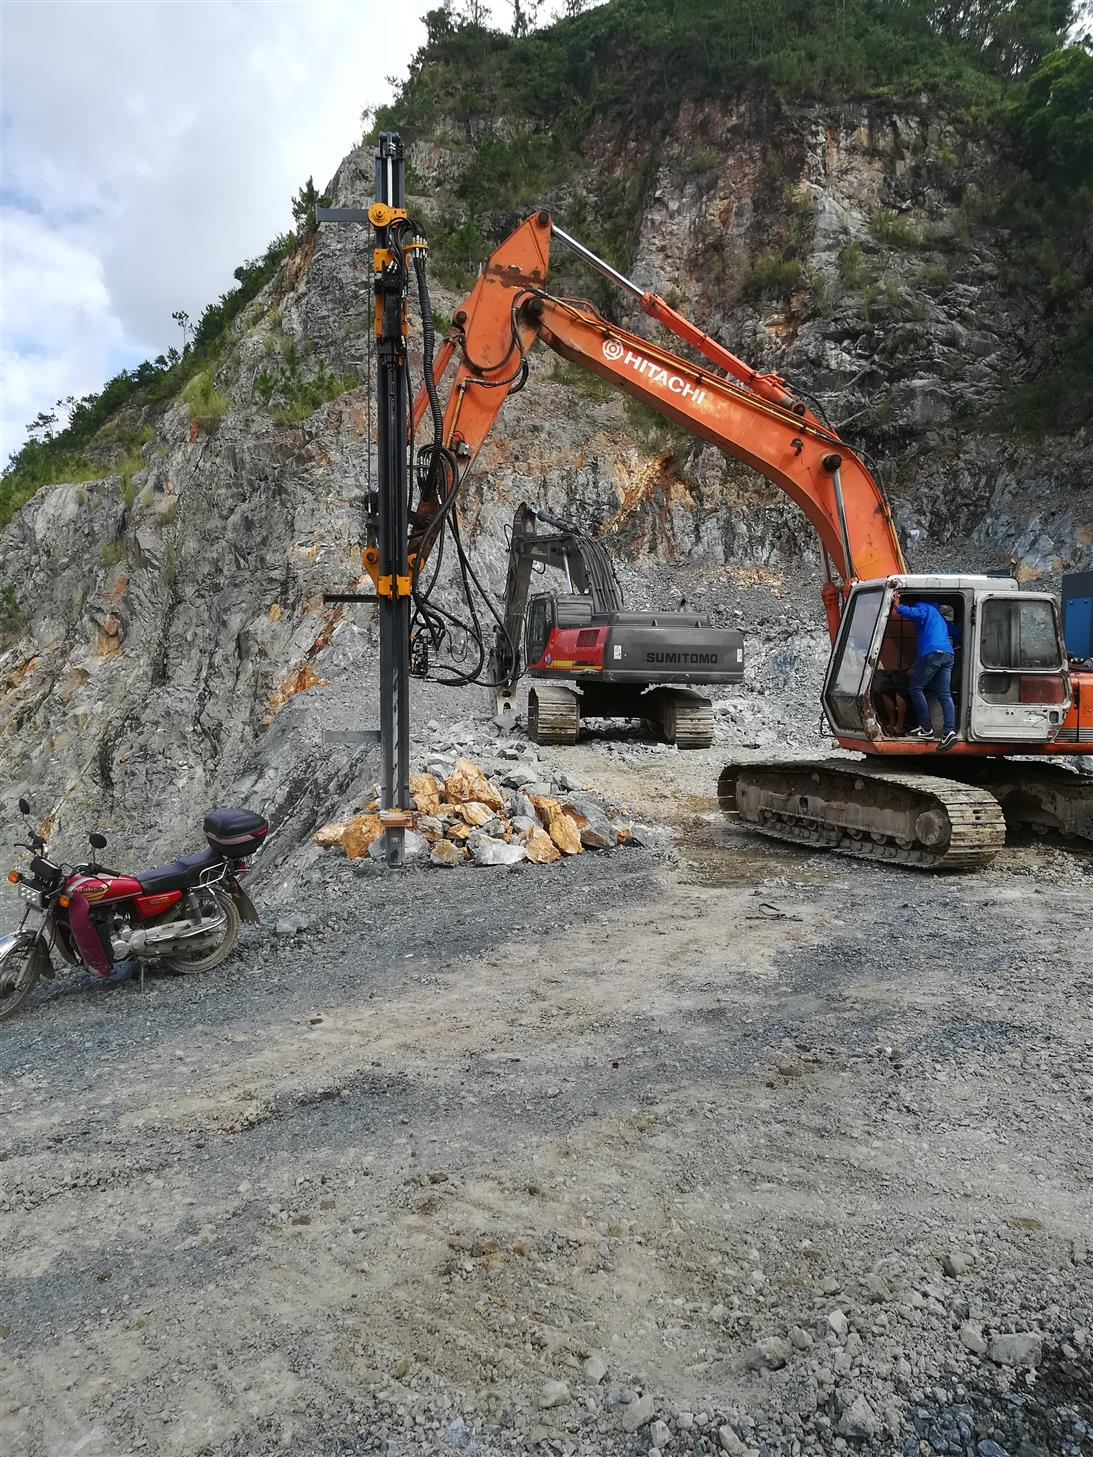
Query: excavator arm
x=750 y=416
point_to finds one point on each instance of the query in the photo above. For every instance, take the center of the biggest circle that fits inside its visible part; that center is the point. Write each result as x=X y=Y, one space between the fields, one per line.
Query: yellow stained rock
x=359 y=834
x=445 y=852
x=425 y=792
x=565 y=834
x=545 y=807
x=330 y=835
x=474 y=812
x=540 y=848
x=458 y=831
x=467 y=782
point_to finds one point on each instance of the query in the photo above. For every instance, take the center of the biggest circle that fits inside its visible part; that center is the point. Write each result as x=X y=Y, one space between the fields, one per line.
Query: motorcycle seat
x=179 y=874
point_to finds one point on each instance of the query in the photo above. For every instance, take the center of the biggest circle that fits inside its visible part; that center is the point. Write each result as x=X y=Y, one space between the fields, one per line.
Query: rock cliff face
x=173 y=648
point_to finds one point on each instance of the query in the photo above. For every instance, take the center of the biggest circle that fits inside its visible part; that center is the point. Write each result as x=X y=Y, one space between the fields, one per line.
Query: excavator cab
x=1010 y=682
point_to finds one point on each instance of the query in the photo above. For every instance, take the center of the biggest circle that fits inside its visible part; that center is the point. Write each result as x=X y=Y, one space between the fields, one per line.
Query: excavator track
x=913 y=819
x=1045 y=798
x=554 y=715
x=684 y=718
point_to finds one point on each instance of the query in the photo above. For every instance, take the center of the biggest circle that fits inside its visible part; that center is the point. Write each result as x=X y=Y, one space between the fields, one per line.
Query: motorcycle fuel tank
x=99 y=888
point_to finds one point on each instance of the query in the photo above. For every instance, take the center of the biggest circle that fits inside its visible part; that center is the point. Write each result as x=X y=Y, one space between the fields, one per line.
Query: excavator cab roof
x=944 y=582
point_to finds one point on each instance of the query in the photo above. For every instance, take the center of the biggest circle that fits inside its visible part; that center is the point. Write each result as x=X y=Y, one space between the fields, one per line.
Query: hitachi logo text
x=674 y=383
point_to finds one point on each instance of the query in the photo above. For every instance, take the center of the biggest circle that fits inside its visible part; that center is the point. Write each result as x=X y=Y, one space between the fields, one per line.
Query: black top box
x=235 y=832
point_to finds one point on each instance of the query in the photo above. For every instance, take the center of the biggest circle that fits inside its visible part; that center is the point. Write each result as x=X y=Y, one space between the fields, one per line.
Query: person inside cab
x=931 y=672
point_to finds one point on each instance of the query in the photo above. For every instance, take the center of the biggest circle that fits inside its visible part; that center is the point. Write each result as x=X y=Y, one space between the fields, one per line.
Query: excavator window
x=1019 y=635
x=847 y=681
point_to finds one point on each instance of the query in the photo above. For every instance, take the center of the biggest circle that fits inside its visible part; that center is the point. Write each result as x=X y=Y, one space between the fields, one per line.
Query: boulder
x=772 y=1352
x=466 y=782
x=594 y=1368
x=598 y=835
x=539 y=847
x=971 y=1336
x=545 y=807
x=486 y=850
x=359 y=834
x=859 y=1419
x=430 y=826
x=475 y=813
x=597 y=831
x=565 y=834
x=446 y=853
x=330 y=835
x=637 y=1413
x=518 y=776
x=425 y=792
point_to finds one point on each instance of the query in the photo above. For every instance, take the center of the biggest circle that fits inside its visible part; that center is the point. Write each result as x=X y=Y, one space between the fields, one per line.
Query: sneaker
x=947 y=742
x=920 y=733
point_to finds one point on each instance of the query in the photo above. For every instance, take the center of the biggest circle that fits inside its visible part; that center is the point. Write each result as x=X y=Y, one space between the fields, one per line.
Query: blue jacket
x=931 y=629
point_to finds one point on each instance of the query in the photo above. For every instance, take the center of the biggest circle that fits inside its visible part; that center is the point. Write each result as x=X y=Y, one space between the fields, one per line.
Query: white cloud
x=163 y=150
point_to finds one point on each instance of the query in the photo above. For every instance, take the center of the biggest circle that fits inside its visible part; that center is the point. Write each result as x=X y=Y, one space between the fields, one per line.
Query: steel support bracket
x=394 y=586
x=341 y=215
x=396 y=819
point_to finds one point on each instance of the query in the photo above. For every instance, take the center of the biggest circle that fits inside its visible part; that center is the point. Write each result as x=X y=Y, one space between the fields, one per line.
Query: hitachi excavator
x=623 y=664
x=1015 y=690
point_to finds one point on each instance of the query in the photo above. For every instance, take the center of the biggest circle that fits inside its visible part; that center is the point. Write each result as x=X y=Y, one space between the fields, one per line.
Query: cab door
x=853 y=661
x=1020 y=688
x=539 y=622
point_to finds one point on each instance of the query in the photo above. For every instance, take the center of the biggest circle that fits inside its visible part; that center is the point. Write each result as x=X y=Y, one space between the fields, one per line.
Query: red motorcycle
x=185 y=915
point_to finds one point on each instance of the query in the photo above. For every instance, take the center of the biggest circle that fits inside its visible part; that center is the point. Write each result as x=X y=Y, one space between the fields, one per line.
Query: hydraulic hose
x=428 y=342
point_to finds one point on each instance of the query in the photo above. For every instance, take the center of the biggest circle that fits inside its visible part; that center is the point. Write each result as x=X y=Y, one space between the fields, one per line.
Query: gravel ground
x=730 y=1148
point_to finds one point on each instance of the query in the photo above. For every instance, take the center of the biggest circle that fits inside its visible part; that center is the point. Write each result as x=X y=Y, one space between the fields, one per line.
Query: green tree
x=1054 y=118
x=303 y=210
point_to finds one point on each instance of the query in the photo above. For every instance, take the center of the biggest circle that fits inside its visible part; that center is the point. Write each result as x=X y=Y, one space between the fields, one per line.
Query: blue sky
x=148 y=149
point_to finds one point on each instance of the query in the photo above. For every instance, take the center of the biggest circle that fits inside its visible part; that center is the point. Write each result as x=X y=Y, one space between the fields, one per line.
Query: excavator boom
x=751 y=416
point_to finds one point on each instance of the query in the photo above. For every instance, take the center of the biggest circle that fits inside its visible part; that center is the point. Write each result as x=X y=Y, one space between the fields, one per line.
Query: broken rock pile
x=463 y=814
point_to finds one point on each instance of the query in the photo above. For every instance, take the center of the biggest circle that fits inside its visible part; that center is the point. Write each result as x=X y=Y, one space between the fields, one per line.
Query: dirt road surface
x=539 y=1159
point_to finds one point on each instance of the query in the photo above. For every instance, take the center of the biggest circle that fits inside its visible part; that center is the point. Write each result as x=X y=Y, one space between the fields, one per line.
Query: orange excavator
x=1016 y=691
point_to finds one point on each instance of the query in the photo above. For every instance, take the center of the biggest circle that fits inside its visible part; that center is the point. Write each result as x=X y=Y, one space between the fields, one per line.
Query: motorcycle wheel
x=212 y=903
x=19 y=969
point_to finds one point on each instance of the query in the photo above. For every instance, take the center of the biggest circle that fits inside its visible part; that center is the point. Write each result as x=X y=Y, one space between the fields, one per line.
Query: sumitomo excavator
x=627 y=664
x=1016 y=692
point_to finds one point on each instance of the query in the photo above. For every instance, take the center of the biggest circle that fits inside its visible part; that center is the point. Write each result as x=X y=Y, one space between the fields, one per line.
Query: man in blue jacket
x=931 y=671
